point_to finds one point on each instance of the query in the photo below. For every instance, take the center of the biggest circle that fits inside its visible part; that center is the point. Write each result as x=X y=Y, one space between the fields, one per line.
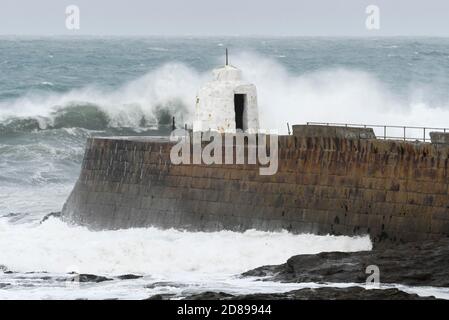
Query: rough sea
x=55 y=92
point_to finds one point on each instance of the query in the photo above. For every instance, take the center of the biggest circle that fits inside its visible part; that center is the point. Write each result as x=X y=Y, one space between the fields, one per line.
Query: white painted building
x=227 y=103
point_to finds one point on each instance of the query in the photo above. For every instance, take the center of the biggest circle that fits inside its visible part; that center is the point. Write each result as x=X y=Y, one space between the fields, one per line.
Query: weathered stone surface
x=165 y=284
x=318 y=131
x=414 y=264
x=210 y=295
x=439 y=137
x=394 y=191
x=129 y=277
x=4 y=285
x=89 y=278
x=166 y=296
x=324 y=293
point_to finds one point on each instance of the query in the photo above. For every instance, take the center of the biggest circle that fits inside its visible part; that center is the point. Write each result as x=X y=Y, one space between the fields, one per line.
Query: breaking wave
x=149 y=100
x=326 y=95
x=56 y=247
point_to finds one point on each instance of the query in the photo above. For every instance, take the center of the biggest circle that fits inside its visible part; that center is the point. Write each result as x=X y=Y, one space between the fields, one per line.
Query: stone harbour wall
x=392 y=190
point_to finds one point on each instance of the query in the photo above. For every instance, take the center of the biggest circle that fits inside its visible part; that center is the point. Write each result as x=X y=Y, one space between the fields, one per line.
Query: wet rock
x=92 y=278
x=4 y=285
x=165 y=284
x=129 y=277
x=324 y=293
x=415 y=264
x=265 y=271
x=5 y=269
x=84 y=277
x=209 y=295
x=161 y=297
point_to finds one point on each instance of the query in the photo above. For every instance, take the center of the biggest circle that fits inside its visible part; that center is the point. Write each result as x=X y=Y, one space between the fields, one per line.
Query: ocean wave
x=152 y=99
x=90 y=116
x=54 y=246
x=38 y=158
x=29 y=203
x=325 y=95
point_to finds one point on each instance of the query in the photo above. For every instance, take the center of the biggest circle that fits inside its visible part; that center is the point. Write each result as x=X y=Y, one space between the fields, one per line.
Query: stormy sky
x=226 y=17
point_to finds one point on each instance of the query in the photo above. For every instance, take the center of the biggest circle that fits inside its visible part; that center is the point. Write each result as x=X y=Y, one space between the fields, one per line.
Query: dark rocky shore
x=415 y=264
x=351 y=293
x=324 y=293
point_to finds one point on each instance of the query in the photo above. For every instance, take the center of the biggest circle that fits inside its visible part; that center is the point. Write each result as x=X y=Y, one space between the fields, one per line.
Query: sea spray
x=171 y=86
x=333 y=94
x=53 y=246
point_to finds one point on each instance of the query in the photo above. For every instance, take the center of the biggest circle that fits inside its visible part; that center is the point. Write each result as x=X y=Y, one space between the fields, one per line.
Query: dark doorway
x=239 y=106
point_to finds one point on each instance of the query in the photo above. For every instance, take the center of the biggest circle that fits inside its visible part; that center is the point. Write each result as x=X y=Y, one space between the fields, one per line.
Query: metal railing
x=406 y=133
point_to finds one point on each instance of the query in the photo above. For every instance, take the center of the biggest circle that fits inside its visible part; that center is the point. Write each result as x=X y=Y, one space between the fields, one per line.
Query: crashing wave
x=326 y=95
x=93 y=117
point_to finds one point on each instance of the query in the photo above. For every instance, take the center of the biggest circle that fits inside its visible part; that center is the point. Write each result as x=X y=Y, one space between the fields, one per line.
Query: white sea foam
x=326 y=95
x=56 y=247
x=167 y=86
x=332 y=95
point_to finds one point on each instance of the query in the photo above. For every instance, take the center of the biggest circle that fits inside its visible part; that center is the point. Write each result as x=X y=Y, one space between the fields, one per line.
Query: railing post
x=385 y=132
x=404 y=133
x=424 y=134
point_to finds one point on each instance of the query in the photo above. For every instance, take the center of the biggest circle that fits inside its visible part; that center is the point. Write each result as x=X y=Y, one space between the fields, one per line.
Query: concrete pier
x=332 y=183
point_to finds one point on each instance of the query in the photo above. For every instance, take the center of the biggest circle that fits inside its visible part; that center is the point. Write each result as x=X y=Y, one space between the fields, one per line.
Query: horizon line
x=73 y=35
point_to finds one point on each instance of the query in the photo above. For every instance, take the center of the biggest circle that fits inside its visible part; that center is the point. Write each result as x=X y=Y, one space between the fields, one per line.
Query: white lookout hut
x=227 y=103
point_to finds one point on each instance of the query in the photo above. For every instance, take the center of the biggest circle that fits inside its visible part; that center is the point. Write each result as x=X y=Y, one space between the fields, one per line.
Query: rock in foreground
x=84 y=277
x=328 y=293
x=415 y=264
